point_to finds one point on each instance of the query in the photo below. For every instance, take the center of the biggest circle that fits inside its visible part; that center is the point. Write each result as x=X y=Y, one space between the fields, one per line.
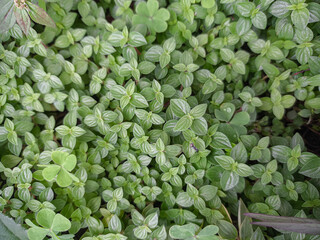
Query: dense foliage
x=158 y=119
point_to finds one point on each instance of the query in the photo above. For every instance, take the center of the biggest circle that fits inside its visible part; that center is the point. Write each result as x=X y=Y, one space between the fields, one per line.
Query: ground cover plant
x=159 y=119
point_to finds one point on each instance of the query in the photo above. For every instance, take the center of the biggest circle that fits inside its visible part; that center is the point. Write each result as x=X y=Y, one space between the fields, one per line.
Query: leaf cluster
x=153 y=119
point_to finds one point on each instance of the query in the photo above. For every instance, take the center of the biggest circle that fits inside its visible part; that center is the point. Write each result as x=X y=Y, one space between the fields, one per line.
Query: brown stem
x=301 y=72
x=137 y=50
x=314 y=131
x=239 y=110
x=55 y=139
x=44 y=45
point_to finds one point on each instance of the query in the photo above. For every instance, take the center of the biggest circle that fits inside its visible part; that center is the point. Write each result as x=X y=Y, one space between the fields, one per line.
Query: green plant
x=190 y=231
x=64 y=164
x=149 y=14
x=157 y=119
x=50 y=223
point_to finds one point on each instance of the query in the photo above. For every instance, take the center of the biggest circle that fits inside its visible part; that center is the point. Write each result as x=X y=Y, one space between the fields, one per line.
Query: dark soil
x=311 y=138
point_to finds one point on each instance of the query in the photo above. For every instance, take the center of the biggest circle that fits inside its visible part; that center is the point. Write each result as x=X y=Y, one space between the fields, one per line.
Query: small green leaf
x=183 y=124
x=60 y=223
x=37 y=233
x=139 y=101
x=208 y=3
x=315 y=80
x=115 y=224
x=181 y=232
x=10 y=161
x=260 y=20
x=229 y=180
x=64 y=179
x=208 y=233
x=198 y=111
x=220 y=140
x=241 y=118
x=279 y=9
x=50 y=172
x=300 y=18
x=45 y=218
x=179 y=107
x=225 y=161
x=227 y=230
x=313 y=103
x=244 y=170
x=311 y=168
x=136 y=39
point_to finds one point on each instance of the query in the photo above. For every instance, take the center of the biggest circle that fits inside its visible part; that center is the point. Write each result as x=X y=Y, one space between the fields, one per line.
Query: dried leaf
x=290 y=224
x=307 y=228
x=38 y=15
x=225 y=213
x=23 y=19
